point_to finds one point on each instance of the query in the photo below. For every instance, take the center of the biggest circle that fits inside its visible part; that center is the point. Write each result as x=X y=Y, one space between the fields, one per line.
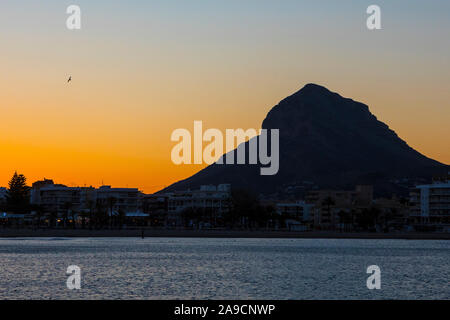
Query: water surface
x=194 y=268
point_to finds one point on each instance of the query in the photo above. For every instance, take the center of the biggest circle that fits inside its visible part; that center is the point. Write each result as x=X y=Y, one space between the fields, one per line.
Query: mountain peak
x=316 y=104
x=313 y=93
x=332 y=141
x=313 y=87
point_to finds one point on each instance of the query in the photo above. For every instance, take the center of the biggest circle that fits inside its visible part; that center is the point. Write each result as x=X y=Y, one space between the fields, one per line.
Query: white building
x=59 y=198
x=211 y=198
x=35 y=194
x=431 y=203
x=120 y=199
x=298 y=209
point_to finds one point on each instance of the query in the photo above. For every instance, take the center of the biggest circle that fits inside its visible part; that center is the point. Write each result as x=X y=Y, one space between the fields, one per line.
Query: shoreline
x=158 y=233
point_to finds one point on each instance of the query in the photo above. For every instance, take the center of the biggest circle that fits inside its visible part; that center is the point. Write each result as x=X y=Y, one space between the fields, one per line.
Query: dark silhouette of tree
x=52 y=217
x=67 y=206
x=353 y=213
x=38 y=214
x=368 y=218
x=345 y=218
x=328 y=202
x=101 y=214
x=404 y=201
x=111 y=201
x=267 y=216
x=73 y=215
x=90 y=205
x=244 y=211
x=83 y=215
x=375 y=213
x=190 y=214
x=121 y=218
x=18 y=194
x=389 y=216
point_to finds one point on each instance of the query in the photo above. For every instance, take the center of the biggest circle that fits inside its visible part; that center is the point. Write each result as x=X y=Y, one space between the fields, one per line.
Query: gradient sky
x=141 y=69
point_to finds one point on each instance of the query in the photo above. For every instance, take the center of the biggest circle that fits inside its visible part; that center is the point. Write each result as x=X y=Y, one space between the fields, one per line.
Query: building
x=59 y=200
x=299 y=210
x=125 y=200
x=298 y=215
x=214 y=200
x=36 y=187
x=430 y=204
x=362 y=195
x=156 y=206
x=207 y=197
x=393 y=213
x=330 y=206
x=3 y=194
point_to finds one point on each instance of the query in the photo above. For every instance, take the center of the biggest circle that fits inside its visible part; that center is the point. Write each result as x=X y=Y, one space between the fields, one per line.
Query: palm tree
x=388 y=216
x=121 y=218
x=66 y=208
x=352 y=219
x=345 y=218
x=368 y=218
x=83 y=215
x=73 y=214
x=328 y=202
x=111 y=202
x=375 y=213
x=101 y=214
x=38 y=209
x=53 y=215
x=90 y=205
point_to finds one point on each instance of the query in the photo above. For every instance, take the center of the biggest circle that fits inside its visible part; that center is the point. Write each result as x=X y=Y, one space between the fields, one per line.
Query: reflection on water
x=175 y=268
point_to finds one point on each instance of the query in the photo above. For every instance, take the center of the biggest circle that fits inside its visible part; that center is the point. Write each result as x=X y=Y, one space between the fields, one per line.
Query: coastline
x=162 y=233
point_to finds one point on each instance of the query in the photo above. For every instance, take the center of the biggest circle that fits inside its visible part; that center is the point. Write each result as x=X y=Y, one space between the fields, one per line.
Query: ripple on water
x=175 y=268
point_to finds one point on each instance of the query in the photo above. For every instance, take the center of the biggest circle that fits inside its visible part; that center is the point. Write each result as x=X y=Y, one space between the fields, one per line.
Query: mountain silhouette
x=326 y=141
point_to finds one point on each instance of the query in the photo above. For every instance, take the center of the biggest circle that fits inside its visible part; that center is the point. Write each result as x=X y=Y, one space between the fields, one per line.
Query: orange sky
x=138 y=75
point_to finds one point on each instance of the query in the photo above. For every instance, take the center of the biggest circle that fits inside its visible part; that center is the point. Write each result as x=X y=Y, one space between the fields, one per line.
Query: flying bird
x=70 y=79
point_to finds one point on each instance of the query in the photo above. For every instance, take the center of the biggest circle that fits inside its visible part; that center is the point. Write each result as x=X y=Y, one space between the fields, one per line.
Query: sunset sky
x=142 y=69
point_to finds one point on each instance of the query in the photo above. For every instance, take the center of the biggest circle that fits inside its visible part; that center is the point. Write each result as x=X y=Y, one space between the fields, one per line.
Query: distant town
x=49 y=205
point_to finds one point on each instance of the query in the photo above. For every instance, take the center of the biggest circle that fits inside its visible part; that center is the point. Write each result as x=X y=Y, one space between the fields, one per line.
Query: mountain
x=326 y=141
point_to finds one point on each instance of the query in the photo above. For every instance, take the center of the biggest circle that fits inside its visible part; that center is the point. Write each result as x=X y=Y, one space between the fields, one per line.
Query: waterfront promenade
x=183 y=233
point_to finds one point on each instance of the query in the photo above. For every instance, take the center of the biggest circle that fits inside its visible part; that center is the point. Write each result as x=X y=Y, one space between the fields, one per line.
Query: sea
x=231 y=268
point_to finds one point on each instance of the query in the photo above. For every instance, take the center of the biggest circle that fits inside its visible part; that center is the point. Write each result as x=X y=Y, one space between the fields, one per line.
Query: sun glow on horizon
x=141 y=70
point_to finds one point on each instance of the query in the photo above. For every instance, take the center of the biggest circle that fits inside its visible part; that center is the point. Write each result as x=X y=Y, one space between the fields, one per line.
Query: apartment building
x=328 y=204
x=213 y=199
x=430 y=204
x=298 y=215
x=298 y=210
x=58 y=198
x=124 y=200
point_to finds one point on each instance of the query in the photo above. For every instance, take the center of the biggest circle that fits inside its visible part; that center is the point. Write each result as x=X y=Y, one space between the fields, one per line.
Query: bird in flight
x=70 y=79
